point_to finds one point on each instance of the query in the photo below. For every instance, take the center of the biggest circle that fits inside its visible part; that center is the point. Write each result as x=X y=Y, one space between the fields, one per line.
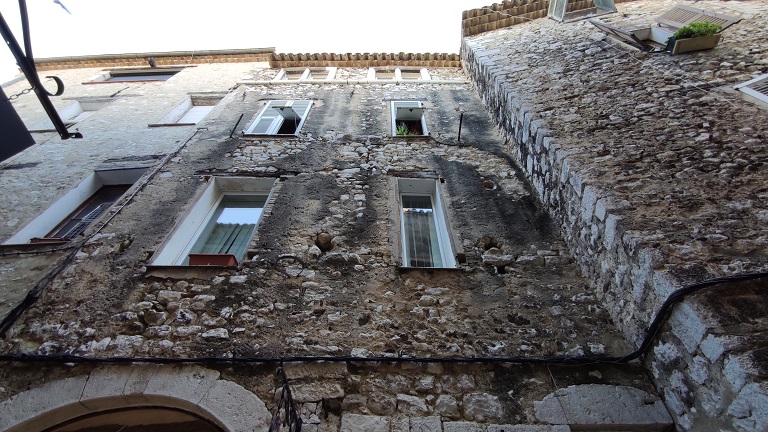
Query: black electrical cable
x=653 y=330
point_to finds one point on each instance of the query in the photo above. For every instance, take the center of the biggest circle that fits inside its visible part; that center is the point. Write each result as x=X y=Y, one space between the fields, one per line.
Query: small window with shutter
x=408 y=119
x=280 y=117
x=756 y=87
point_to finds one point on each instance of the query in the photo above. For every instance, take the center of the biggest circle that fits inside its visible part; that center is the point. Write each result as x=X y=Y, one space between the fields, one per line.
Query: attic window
x=398 y=73
x=757 y=88
x=306 y=74
x=408 y=119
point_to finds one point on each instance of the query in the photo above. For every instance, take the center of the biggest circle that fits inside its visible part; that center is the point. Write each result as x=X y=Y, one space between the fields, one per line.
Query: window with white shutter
x=408 y=119
x=280 y=117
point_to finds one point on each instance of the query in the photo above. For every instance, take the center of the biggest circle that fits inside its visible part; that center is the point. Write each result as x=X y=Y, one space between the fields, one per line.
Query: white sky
x=290 y=26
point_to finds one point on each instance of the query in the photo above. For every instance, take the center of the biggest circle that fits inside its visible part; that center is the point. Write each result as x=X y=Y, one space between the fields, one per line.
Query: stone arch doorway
x=149 y=419
x=193 y=394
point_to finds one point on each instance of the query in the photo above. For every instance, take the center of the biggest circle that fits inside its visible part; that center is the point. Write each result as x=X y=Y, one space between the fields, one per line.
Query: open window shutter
x=617 y=33
x=409 y=110
x=268 y=121
x=682 y=15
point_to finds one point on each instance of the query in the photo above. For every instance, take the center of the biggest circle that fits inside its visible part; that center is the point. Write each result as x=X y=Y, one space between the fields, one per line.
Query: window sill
x=34 y=247
x=431 y=269
x=153 y=125
x=184 y=272
x=410 y=137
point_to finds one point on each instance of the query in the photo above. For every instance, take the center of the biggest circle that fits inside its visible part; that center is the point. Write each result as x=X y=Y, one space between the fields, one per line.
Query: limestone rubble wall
x=654 y=168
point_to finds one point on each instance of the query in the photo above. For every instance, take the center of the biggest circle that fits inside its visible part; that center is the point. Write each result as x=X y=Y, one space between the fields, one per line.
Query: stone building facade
x=547 y=281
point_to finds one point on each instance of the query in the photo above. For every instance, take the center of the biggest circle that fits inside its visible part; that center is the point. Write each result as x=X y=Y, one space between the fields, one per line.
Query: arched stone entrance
x=191 y=389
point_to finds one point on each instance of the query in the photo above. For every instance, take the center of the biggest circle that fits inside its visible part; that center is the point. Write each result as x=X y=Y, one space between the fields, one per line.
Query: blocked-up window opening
x=385 y=74
x=756 y=87
x=410 y=74
x=280 y=117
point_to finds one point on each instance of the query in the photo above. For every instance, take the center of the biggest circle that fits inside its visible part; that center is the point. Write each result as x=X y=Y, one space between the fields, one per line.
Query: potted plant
x=694 y=37
x=402 y=129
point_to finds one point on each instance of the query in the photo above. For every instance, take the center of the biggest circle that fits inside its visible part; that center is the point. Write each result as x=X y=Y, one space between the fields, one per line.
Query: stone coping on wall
x=266 y=55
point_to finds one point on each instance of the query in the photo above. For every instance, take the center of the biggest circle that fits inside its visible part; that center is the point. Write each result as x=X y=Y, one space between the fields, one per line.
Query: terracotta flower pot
x=227 y=260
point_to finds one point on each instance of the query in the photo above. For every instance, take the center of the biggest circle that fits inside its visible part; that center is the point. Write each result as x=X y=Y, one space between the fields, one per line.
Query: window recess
x=423 y=227
x=280 y=117
x=136 y=75
x=408 y=119
x=220 y=225
x=74 y=212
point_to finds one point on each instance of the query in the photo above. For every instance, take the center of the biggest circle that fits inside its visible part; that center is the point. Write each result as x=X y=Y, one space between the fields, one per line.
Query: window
x=189 y=112
x=757 y=88
x=71 y=214
x=88 y=212
x=398 y=73
x=280 y=117
x=425 y=240
x=408 y=119
x=76 y=112
x=142 y=74
x=219 y=227
x=306 y=74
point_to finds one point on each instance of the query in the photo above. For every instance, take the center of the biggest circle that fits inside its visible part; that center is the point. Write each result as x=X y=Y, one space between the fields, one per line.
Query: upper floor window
x=306 y=74
x=191 y=111
x=423 y=228
x=398 y=73
x=219 y=227
x=280 y=117
x=73 y=213
x=140 y=74
x=408 y=119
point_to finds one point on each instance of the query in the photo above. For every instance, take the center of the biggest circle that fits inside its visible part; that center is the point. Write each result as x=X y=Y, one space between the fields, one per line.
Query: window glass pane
x=231 y=226
x=422 y=248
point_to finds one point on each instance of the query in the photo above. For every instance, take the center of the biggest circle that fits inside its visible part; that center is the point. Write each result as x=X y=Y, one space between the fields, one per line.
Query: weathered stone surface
x=481 y=407
x=317 y=391
x=462 y=427
x=411 y=405
x=356 y=423
x=426 y=424
x=597 y=404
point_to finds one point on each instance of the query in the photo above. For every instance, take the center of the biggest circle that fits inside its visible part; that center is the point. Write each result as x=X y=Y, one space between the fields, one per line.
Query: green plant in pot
x=403 y=129
x=706 y=32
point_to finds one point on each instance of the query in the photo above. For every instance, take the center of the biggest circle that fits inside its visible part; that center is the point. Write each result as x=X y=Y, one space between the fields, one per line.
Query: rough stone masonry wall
x=321 y=278
x=655 y=169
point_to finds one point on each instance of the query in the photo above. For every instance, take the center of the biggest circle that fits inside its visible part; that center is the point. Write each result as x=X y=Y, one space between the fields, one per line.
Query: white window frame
x=306 y=74
x=176 y=248
x=67 y=204
x=272 y=112
x=73 y=113
x=746 y=88
x=176 y=117
x=413 y=105
x=426 y=187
